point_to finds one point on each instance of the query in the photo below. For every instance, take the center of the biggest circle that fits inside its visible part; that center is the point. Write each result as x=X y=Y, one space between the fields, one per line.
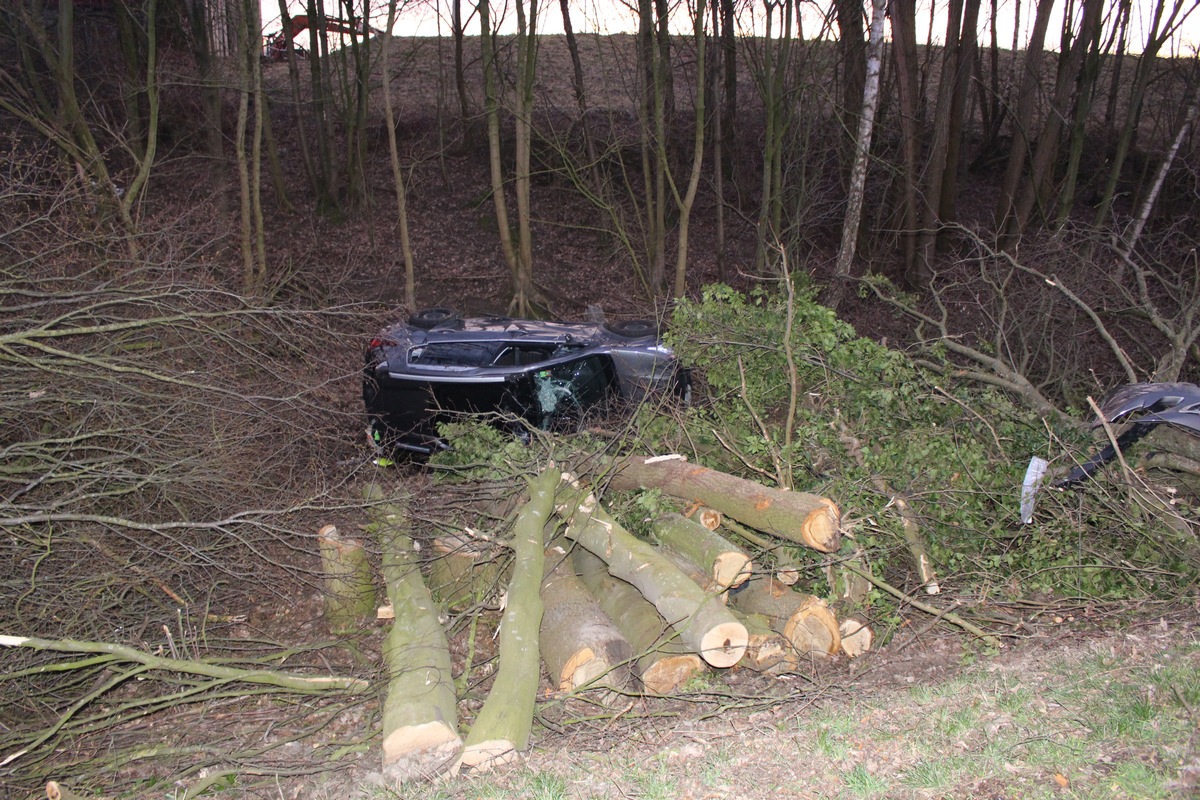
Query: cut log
x=662 y=662
x=463 y=573
x=697 y=576
x=708 y=517
x=349 y=584
x=578 y=642
x=857 y=636
x=56 y=791
x=804 y=620
x=796 y=516
x=420 y=709
x=767 y=651
x=725 y=564
x=786 y=570
x=501 y=729
x=847 y=586
x=704 y=624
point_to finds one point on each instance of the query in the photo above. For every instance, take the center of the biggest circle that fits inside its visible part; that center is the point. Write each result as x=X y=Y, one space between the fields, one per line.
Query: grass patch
x=935 y=775
x=862 y=783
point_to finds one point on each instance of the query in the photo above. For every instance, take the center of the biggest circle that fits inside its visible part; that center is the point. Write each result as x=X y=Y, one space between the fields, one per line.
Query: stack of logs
x=600 y=607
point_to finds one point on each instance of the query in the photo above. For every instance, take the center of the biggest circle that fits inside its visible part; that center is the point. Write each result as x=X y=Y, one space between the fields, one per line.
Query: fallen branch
x=284 y=680
x=796 y=516
x=949 y=616
x=503 y=725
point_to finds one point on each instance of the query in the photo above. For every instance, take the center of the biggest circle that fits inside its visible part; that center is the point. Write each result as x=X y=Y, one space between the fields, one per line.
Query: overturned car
x=529 y=374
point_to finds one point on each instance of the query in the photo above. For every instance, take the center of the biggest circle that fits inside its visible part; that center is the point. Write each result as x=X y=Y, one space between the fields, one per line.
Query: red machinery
x=275 y=46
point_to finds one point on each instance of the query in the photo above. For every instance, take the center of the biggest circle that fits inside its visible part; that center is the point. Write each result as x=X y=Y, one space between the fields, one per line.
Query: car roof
x=507 y=329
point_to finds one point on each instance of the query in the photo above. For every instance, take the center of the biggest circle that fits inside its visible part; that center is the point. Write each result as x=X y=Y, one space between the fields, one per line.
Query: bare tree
x=410 y=298
x=527 y=48
x=1023 y=121
x=1072 y=57
x=858 y=177
x=1165 y=18
x=252 y=236
x=685 y=201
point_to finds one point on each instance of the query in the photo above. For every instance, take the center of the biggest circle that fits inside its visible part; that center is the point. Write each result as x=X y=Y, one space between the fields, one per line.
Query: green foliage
x=479 y=451
x=866 y=412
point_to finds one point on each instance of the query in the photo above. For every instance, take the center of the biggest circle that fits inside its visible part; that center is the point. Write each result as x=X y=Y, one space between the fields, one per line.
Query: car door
x=565 y=392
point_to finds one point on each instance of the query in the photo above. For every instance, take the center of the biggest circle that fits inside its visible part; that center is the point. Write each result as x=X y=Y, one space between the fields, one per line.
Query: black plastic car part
x=1156 y=404
x=428 y=318
x=633 y=328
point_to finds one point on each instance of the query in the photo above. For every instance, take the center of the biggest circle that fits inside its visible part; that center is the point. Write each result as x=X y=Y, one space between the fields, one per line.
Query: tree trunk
x=729 y=126
x=720 y=157
x=853 y=53
x=578 y=642
x=467 y=116
x=527 y=47
x=967 y=56
x=491 y=105
x=245 y=213
x=200 y=30
x=703 y=623
x=1036 y=191
x=804 y=620
x=904 y=34
x=796 y=516
x=502 y=728
x=767 y=651
x=661 y=661
x=410 y=292
x=688 y=199
x=294 y=81
x=724 y=564
x=319 y=77
x=589 y=144
x=349 y=585
x=254 y=65
x=420 y=709
x=462 y=575
x=1095 y=57
x=1023 y=120
x=1158 y=34
x=858 y=177
x=1151 y=197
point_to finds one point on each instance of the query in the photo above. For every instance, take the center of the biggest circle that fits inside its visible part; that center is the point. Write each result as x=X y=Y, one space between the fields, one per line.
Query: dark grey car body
x=529 y=373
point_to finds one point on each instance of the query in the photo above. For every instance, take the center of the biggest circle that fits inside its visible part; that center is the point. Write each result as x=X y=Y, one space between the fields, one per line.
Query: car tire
x=633 y=328
x=428 y=318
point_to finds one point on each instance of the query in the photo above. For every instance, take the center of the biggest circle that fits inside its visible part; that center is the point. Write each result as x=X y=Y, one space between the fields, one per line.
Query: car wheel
x=633 y=328
x=431 y=317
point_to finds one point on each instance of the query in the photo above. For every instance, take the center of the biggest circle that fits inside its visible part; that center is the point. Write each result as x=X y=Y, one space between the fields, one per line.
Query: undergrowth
x=839 y=415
